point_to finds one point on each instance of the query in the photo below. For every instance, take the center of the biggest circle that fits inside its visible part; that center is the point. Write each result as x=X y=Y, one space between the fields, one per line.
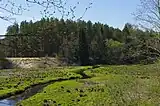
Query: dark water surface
x=11 y=101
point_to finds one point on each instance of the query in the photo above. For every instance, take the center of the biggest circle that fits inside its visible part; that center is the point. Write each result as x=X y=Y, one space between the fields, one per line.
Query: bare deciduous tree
x=11 y=8
x=148 y=14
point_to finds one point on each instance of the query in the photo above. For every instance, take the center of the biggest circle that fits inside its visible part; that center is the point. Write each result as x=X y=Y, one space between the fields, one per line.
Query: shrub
x=4 y=63
x=95 y=66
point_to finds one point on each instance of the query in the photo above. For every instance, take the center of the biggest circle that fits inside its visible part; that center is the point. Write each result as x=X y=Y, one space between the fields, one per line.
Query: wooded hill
x=81 y=42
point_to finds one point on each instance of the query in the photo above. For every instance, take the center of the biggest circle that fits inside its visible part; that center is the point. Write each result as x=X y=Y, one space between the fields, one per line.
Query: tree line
x=81 y=42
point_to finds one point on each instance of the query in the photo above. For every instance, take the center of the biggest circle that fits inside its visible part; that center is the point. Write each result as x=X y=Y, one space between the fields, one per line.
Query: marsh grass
x=135 y=85
x=17 y=80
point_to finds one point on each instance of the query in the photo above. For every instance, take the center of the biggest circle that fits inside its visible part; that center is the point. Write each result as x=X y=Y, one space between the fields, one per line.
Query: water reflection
x=9 y=102
x=12 y=101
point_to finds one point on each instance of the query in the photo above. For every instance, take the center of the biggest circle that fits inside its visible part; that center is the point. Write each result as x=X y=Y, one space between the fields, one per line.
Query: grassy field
x=17 y=80
x=135 y=85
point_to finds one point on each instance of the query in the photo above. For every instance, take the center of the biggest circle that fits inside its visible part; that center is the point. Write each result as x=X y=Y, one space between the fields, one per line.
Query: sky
x=114 y=13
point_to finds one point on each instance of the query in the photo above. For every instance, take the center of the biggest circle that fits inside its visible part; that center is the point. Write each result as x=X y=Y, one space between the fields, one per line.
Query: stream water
x=13 y=100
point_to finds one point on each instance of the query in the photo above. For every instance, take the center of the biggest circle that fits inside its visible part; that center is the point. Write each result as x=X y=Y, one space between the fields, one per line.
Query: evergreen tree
x=68 y=39
x=83 y=48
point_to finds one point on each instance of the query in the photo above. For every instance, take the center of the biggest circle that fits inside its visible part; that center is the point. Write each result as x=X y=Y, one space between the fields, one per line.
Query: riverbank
x=16 y=81
x=109 y=85
x=113 y=85
x=37 y=88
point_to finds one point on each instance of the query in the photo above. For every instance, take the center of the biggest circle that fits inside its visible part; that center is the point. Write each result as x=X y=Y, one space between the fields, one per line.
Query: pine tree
x=83 y=48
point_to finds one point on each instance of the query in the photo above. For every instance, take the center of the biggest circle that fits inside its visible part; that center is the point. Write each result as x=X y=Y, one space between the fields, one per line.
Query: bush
x=95 y=66
x=4 y=63
x=2 y=55
x=149 y=60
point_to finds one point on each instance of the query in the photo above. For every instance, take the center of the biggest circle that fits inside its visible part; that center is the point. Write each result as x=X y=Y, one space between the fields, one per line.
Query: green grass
x=17 y=80
x=99 y=91
x=134 y=85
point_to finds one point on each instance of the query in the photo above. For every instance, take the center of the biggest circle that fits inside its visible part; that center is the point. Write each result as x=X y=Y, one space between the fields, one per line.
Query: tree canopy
x=80 y=42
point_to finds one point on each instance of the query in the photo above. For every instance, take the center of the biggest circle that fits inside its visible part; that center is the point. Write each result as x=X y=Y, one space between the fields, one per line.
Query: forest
x=75 y=60
x=81 y=42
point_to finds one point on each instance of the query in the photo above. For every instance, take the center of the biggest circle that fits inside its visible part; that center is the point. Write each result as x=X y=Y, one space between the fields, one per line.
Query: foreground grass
x=17 y=80
x=110 y=85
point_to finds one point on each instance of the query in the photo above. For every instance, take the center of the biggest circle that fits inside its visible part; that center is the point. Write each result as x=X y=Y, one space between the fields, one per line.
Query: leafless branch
x=11 y=8
x=148 y=14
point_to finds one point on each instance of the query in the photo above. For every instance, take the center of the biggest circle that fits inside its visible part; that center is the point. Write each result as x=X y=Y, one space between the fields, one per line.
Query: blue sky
x=112 y=12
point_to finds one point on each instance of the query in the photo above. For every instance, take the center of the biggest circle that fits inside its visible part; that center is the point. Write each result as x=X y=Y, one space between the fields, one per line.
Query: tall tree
x=126 y=32
x=83 y=48
x=80 y=41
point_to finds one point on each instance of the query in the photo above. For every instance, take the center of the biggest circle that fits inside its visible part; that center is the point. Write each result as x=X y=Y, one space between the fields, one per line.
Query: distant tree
x=113 y=51
x=13 y=29
x=80 y=41
x=126 y=32
x=83 y=48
